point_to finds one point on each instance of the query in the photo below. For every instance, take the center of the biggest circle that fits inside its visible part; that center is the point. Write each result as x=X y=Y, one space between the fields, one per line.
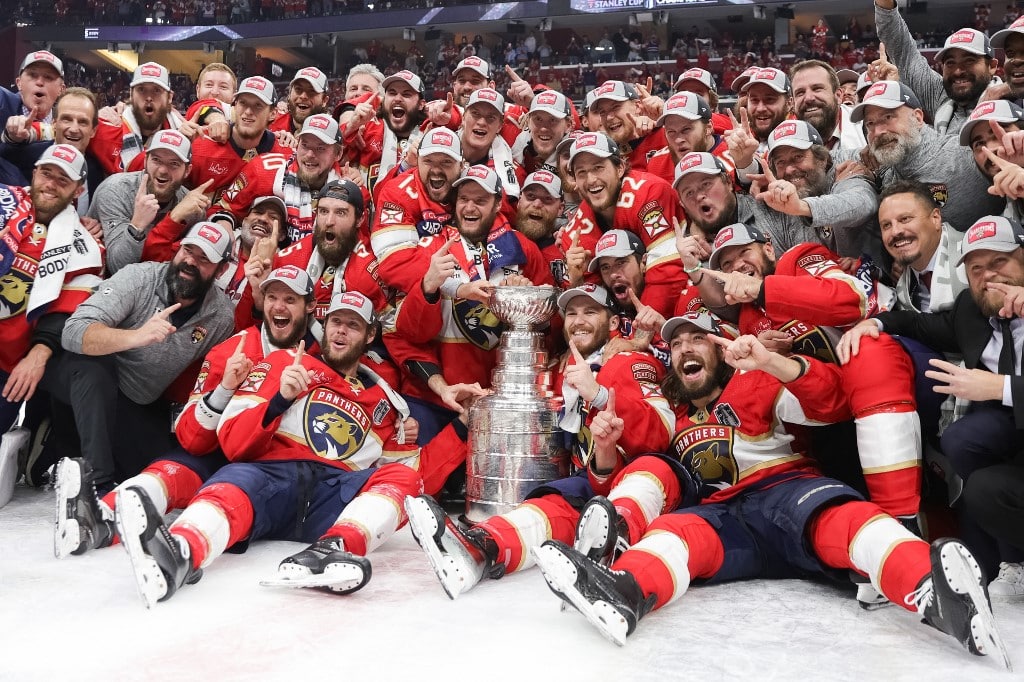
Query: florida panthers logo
x=477 y=323
x=811 y=341
x=583 y=447
x=706 y=452
x=14 y=288
x=335 y=426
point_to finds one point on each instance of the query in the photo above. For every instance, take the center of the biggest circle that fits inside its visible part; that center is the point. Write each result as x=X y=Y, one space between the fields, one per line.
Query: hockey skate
x=601 y=534
x=325 y=565
x=953 y=599
x=611 y=600
x=161 y=563
x=83 y=522
x=460 y=560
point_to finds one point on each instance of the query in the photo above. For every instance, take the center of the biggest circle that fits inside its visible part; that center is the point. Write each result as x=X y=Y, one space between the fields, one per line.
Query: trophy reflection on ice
x=514 y=441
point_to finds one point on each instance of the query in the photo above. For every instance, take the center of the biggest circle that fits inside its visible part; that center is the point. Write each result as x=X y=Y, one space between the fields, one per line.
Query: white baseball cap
x=295 y=278
x=213 y=238
x=885 y=94
x=968 y=40
x=474 y=64
x=313 y=76
x=597 y=144
x=551 y=183
x=407 y=77
x=998 y=110
x=689 y=105
x=593 y=291
x=259 y=86
x=441 y=141
x=172 y=141
x=697 y=162
x=354 y=301
x=737 y=234
x=42 y=57
x=702 y=76
x=999 y=37
x=322 y=126
x=487 y=96
x=616 y=91
x=775 y=79
x=739 y=81
x=271 y=199
x=552 y=102
x=151 y=72
x=615 y=244
x=796 y=134
x=703 y=320
x=65 y=157
x=992 y=233
x=481 y=175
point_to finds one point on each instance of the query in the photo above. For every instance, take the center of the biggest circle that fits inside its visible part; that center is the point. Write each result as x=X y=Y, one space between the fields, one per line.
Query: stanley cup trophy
x=514 y=443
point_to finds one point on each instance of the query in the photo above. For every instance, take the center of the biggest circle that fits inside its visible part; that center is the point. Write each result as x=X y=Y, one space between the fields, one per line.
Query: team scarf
x=503 y=251
x=298 y=199
x=132 y=143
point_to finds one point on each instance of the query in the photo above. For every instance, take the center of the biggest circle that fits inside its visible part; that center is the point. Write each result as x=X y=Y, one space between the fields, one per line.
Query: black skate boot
x=953 y=599
x=324 y=565
x=460 y=560
x=83 y=522
x=611 y=600
x=161 y=563
x=601 y=534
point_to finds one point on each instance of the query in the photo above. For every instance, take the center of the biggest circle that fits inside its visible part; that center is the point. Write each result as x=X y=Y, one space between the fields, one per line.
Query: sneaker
x=1009 y=584
x=160 y=561
x=38 y=461
x=611 y=600
x=460 y=560
x=953 y=600
x=83 y=522
x=601 y=534
x=326 y=565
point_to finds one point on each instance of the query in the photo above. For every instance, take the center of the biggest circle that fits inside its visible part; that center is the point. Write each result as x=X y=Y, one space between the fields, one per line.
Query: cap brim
x=205 y=247
x=998 y=39
x=64 y=166
x=857 y=114
x=1001 y=247
x=716 y=255
x=319 y=134
x=673 y=324
x=548 y=110
x=795 y=144
x=566 y=296
x=463 y=181
x=614 y=252
x=448 y=151
x=291 y=283
x=154 y=81
x=316 y=86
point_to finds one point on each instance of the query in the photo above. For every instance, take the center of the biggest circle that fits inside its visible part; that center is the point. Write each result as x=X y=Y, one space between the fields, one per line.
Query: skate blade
x=425 y=529
x=67 y=534
x=560 y=574
x=131 y=522
x=962 y=577
x=339 y=578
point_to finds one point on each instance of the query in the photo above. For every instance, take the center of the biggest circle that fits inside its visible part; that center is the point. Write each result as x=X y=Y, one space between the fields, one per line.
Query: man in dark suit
x=985 y=326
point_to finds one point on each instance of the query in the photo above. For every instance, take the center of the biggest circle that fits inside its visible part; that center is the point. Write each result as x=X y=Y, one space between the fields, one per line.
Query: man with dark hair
x=817 y=101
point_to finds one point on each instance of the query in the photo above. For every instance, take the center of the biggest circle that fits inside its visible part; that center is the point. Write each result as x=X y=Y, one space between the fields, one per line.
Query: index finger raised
x=512 y=73
x=241 y=342
x=300 y=350
x=576 y=353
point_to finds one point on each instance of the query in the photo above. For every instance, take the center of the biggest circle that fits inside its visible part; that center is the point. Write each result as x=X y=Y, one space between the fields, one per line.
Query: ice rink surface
x=82 y=619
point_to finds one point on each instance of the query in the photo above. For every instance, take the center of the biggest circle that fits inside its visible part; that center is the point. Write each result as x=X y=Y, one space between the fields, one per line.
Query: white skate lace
x=921 y=597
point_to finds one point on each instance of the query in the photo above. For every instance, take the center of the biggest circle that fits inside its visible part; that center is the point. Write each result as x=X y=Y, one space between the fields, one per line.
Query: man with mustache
x=537 y=216
x=127 y=343
x=987 y=133
x=616 y=110
x=151 y=110
x=307 y=96
x=687 y=121
x=817 y=100
x=1011 y=40
x=967 y=64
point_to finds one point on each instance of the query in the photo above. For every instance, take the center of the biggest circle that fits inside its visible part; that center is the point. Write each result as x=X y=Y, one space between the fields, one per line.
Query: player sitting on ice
x=765 y=508
x=317 y=455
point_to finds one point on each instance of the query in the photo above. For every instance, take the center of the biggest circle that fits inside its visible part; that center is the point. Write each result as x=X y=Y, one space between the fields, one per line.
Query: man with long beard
x=127 y=343
x=537 y=213
x=902 y=147
x=764 y=508
x=769 y=96
x=150 y=111
x=317 y=455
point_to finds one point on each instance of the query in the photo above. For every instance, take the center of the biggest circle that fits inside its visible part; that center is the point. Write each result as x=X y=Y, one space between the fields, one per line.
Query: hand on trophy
x=580 y=376
x=516 y=281
x=457 y=397
x=477 y=290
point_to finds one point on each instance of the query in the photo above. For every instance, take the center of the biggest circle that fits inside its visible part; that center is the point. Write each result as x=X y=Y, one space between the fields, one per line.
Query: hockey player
x=765 y=510
x=502 y=543
x=615 y=107
x=482 y=143
x=537 y=213
x=307 y=96
x=687 y=122
x=151 y=110
x=549 y=120
x=84 y=522
x=615 y=197
x=317 y=454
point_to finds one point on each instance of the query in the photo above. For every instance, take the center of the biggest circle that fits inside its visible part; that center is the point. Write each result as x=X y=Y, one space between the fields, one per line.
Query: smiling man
x=40 y=82
x=307 y=96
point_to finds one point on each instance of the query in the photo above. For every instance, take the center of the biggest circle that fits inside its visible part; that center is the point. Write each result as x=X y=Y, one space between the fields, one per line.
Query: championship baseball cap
x=863 y=83
x=551 y=102
x=481 y=175
x=343 y=190
x=697 y=162
x=322 y=126
x=271 y=199
x=295 y=278
x=968 y=40
x=999 y=37
x=42 y=57
x=551 y=183
x=172 y=141
x=594 y=291
x=213 y=238
x=407 y=77
x=588 y=99
x=441 y=141
x=688 y=105
x=313 y=76
x=847 y=76
x=992 y=233
x=151 y=72
x=702 y=76
x=566 y=141
x=737 y=234
x=616 y=91
x=773 y=78
x=739 y=81
x=474 y=64
x=597 y=144
x=354 y=301
x=615 y=244
x=259 y=86
x=487 y=96
x=796 y=134
x=702 y=320
x=885 y=94
x=998 y=110
x=65 y=157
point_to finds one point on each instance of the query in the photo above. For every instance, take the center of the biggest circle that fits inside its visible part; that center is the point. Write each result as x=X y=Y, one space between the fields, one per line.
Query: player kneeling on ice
x=765 y=509
x=316 y=454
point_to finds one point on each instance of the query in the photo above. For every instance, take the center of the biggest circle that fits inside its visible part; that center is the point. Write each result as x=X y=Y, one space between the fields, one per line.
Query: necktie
x=926 y=280
x=1007 y=359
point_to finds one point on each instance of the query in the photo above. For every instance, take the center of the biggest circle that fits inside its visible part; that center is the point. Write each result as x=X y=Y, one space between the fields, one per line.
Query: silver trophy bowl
x=523 y=307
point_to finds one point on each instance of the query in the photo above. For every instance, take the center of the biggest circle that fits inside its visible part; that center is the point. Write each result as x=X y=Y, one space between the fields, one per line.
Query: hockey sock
x=889 y=444
x=549 y=517
x=219 y=516
x=645 y=489
x=376 y=512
